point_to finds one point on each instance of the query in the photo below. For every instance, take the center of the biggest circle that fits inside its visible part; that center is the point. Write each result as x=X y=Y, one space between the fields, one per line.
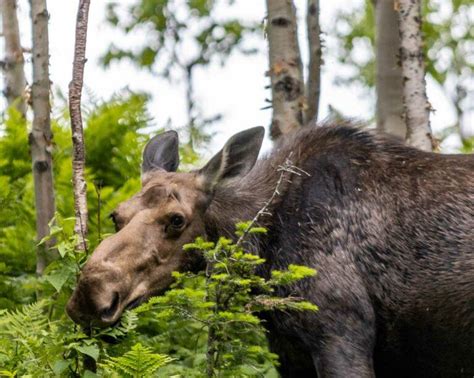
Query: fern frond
x=140 y=361
x=29 y=320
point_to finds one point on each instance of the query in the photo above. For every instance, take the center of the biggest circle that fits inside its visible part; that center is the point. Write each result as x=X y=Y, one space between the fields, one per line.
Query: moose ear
x=161 y=152
x=236 y=158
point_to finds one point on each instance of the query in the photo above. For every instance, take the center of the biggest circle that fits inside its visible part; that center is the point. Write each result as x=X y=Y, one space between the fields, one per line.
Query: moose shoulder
x=389 y=229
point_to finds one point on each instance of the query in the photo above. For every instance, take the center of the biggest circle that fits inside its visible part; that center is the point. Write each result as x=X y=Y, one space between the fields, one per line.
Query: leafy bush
x=172 y=334
x=217 y=308
x=225 y=300
x=115 y=140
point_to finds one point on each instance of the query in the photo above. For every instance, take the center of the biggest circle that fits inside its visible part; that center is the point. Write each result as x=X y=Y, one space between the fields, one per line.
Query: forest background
x=200 y=67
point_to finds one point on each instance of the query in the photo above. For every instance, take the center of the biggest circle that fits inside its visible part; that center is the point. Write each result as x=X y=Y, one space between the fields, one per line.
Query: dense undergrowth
x=207 y=325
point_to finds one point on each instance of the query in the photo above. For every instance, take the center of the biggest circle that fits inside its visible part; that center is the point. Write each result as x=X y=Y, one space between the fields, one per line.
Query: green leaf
x=90 y=350
x=59 y=366
x=64 y=248
x=58 y=278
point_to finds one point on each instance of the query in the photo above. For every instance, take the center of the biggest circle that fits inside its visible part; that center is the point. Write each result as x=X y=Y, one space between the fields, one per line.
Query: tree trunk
x=79 y=155
x=285 y=68
x=389 y=84
x=41 y=137
x=313 y=87
x=417 y=107
x=15 y=81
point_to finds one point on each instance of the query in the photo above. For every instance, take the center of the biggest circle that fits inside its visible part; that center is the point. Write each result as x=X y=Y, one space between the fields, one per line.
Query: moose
x=389 y=228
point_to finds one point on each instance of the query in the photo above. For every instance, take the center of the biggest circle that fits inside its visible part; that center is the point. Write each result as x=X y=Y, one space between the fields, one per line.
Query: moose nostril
x=110 y=311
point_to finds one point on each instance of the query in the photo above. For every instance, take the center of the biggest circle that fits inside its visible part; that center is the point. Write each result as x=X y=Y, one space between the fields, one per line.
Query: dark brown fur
x=389 y=230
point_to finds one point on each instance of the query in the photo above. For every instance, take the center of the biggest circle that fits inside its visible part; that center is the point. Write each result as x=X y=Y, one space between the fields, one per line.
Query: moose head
x=152 y=226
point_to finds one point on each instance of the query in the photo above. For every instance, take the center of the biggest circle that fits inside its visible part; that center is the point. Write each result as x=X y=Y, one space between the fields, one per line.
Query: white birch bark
x=313 y=86
x=417 y=107
x=41 y=137
x=286 y=74
x=13 y=64
x=79 y=158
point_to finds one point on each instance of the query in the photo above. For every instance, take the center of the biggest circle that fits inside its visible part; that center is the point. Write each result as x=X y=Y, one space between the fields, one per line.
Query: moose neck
x=241 y=200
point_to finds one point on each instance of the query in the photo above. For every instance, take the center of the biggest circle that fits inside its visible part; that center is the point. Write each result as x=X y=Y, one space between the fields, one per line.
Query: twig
x=98 y=189
x=287 y=167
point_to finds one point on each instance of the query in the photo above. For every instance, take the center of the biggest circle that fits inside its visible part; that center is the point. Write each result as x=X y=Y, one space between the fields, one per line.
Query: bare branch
x=75 y=93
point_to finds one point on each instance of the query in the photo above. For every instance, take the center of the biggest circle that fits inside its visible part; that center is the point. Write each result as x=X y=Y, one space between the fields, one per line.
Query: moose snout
x=97 y=300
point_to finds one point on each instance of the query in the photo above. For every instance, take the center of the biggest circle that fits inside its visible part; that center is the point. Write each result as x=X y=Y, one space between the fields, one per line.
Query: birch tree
x=75 y=93
x=417 y=107
x=388 y=81
x=286 y=72
x=13 y=63
x=41 y=137
x=313 y=86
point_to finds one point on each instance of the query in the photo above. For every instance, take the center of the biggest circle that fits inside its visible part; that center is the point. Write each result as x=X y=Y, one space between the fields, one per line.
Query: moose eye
x=113 y=217
x=177 y=221
x=118 y=221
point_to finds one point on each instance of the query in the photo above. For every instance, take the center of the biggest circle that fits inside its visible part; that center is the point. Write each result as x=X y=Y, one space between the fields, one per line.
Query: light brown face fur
x=137 y=261
x=152 y=227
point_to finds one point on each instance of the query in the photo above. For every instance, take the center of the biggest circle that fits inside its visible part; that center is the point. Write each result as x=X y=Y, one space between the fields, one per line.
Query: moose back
x=388 y=228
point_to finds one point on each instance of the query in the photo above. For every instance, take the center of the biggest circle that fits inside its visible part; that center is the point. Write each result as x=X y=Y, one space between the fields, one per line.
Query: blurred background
x=124 y=50
x=205 y=69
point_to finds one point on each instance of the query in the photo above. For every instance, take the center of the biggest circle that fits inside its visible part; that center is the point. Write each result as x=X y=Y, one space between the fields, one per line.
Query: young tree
x=79 y=155
x=388 y=81
x=417 y=107
x=41 y=137
x=13 y=64
x=313 y=86
x=286 y=71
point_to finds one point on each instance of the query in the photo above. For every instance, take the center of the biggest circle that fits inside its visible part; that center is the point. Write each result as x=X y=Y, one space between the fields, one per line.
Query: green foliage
x=39 y=340
x=467 y=145
x=36 y=336
x=357 y=29
x=114 y=140
x=225 y=300
x=166 y=23
x=140 y=361
x=207 y=325
x=169 y=27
